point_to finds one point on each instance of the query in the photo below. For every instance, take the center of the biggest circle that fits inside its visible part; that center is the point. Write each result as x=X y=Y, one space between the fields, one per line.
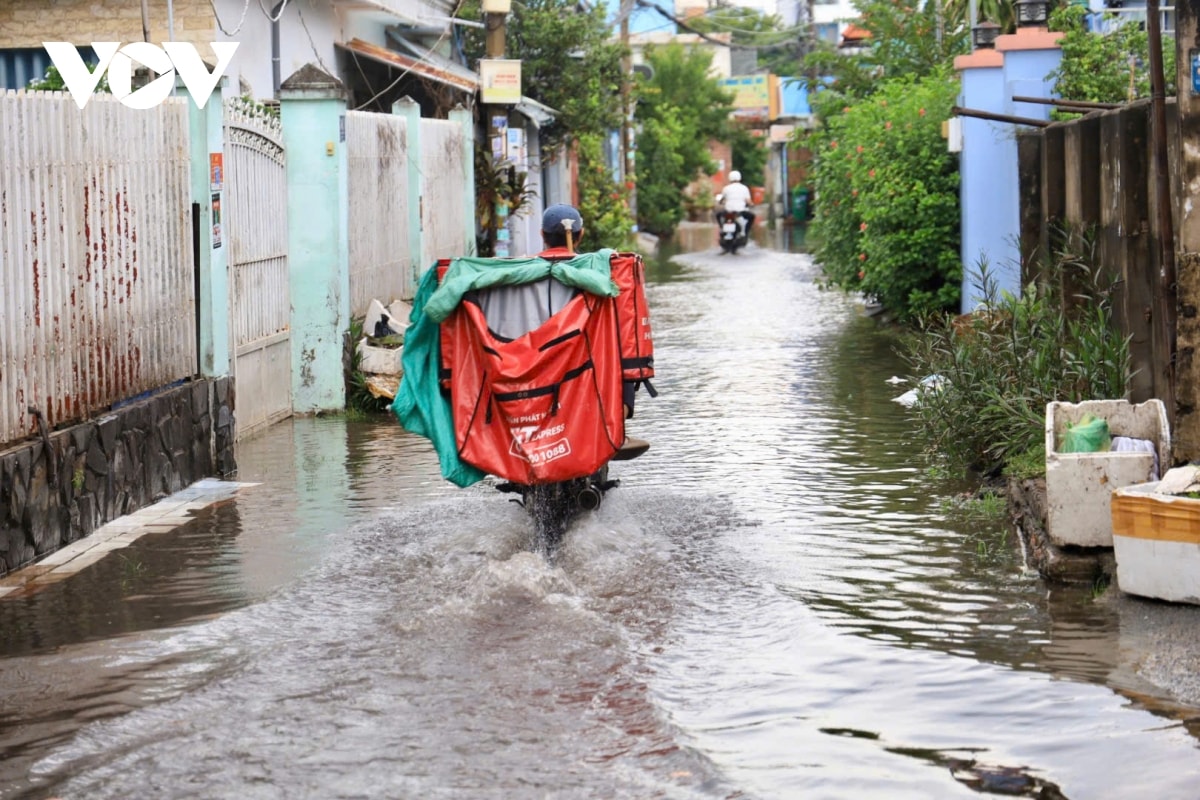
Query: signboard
x=500 y=80
x=216 y=172
x=516 y=147
x=755 y=97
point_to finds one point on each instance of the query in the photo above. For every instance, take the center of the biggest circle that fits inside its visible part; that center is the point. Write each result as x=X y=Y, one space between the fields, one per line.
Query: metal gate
x=256 y=226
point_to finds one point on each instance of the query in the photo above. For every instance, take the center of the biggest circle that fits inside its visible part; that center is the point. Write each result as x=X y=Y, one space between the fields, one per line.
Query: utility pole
x=495 y=22
x=629 y=168
x=1166 y=291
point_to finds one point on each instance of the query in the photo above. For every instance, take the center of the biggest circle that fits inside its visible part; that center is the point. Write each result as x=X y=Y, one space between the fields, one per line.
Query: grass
x=1003 y=363
x=984 y=506
x=1026 y=464
x=360 y=403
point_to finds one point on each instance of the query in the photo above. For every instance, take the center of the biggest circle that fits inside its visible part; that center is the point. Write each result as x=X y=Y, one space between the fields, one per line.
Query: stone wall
x=28 y=23
x=110 y=466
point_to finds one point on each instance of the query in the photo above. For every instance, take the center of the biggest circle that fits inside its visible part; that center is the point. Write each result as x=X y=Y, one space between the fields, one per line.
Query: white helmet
x=735 y=176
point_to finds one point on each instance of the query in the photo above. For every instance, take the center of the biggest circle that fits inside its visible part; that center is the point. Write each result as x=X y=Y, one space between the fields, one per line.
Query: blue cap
x=552 y=220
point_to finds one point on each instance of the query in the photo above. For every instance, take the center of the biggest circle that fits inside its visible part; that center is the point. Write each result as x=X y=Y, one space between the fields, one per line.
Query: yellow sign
x=754 y=96
x=500 y=80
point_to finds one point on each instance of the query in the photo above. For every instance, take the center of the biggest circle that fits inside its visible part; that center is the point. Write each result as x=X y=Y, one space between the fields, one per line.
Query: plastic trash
x=910 y=398
x=1089 y=435
x=1126 y=444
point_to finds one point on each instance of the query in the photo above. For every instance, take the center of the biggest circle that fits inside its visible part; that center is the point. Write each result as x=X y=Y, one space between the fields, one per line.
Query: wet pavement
x=777 y=602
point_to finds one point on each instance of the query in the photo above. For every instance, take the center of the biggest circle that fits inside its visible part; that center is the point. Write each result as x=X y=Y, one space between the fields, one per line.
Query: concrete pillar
x=313 y=110
x=410 y=110
x=988 y=194
x=1030 y=55
x=465 y=119
x=206 y=136
x=991 y=194
x=1186 y=432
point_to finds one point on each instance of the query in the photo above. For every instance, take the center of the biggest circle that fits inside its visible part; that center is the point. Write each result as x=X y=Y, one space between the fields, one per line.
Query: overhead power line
x=709 y=38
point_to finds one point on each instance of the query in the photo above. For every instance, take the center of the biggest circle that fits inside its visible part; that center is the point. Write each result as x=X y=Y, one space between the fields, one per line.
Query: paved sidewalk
x=162 y=517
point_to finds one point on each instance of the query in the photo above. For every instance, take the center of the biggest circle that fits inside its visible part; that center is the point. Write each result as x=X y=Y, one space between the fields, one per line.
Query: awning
x=430 y=65
x=539 y=114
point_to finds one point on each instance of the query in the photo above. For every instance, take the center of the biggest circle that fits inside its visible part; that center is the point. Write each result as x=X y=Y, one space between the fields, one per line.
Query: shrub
x=603 y=203
x=887 y=210
x=1109 y=67
x=1003 y=363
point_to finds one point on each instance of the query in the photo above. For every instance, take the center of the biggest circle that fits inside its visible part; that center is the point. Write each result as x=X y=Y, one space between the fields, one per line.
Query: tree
x=749 y=156
x=887 y=212
x=1001 y=12
x=53 y=81
x=778 y=49
x=1110 y=67
x=909 y=39
x=680 y=110
x=886 y=208
x=571 y=63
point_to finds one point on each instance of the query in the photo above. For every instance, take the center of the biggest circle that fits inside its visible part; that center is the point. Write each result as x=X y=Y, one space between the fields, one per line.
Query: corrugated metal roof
x=430 y=66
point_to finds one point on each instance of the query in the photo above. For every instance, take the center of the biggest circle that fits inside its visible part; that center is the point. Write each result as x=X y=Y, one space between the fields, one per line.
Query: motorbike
x=525 y=370
x=731 y=231
x=553 y=507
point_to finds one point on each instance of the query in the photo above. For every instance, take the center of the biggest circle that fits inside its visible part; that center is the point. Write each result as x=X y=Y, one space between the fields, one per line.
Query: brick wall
x=28 y=23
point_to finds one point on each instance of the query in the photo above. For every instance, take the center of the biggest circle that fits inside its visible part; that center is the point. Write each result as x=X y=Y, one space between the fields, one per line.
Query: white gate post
x=206 y=137
x=313 y=112
x=466 y=120
x=409 y=109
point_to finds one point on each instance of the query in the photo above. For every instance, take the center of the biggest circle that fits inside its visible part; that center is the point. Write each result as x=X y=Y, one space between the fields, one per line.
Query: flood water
x=778 y=602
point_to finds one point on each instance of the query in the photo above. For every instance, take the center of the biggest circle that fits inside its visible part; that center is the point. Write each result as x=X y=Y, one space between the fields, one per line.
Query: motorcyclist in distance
x=735 y=197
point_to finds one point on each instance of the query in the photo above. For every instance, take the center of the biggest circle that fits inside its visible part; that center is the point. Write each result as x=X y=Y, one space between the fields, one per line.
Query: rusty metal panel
x=380 y=256
x=443 y=181
x=97 y=298
x=256 y=225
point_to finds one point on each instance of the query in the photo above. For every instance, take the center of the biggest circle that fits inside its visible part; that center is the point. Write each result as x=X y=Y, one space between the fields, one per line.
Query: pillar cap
x=311 y=83
x=986 y=57
x=1029 y=39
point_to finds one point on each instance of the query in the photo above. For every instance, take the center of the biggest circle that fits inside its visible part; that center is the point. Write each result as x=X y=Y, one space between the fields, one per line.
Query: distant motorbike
x=731 y=231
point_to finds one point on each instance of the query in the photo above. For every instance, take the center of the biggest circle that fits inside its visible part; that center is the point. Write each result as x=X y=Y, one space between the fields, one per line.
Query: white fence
x=97 y=276
x=381 y=264
x=444 y=174
x=97 y=298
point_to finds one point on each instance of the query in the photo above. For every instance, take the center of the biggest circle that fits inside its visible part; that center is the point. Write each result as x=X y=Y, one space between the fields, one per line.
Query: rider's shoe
x=631 y=448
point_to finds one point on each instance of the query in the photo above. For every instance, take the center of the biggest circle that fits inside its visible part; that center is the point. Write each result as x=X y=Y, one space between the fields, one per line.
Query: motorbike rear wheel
x=554 y=506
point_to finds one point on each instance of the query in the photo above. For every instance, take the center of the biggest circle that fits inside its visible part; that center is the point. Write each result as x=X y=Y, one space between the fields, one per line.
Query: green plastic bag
x=1089 y=435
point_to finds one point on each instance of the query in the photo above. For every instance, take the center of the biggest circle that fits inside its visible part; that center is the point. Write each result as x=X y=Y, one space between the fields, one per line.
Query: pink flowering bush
x=886 y=218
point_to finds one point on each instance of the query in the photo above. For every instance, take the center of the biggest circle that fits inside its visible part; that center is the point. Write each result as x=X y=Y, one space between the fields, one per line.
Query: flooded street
x=778 y=602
